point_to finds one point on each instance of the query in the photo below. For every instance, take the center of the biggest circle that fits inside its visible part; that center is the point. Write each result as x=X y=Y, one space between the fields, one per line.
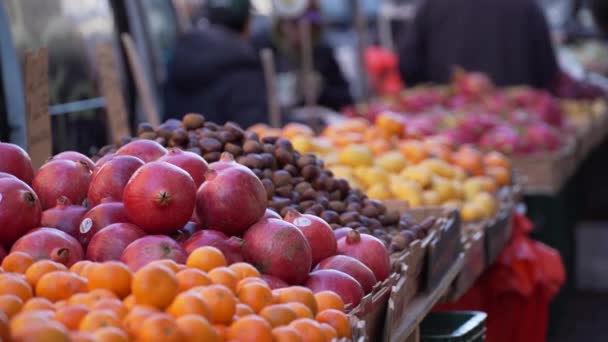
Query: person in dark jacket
x=332 y=89
x=508 y=40
x=215 y=71
x=599 y=9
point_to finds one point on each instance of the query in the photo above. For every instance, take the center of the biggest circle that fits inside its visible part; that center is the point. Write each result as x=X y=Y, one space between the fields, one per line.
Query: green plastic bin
x=454 y=326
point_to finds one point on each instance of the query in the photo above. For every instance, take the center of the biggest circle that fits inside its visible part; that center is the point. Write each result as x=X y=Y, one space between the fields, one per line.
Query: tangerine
x=250 y=328
x=155 y=286
x=206 y=258
x=192 y=277
x=195 y=328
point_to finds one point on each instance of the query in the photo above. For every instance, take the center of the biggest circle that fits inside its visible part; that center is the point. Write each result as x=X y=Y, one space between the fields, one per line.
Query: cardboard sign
x=39 y=135
x=110 y=85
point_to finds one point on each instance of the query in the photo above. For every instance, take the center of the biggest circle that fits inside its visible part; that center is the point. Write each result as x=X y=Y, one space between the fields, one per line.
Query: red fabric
x=517 y=289
x=383 y=69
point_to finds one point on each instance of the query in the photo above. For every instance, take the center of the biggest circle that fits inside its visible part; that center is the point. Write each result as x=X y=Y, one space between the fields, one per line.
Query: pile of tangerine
x=204 y=300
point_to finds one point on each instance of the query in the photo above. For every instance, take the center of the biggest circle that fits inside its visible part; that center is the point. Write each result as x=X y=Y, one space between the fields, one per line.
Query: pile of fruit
x=145 y=204
x=428 y=172
x=514 y=121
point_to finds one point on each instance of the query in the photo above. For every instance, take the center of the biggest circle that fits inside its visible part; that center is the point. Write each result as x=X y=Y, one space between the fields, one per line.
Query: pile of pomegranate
x=147 y=203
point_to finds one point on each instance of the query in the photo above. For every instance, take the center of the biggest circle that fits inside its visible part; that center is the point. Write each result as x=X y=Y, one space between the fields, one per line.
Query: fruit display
x=425 y=173
x=294 y=181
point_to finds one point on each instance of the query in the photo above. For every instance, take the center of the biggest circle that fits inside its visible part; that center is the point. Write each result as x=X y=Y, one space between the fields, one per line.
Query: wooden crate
x=473 y=267
x=373 y=307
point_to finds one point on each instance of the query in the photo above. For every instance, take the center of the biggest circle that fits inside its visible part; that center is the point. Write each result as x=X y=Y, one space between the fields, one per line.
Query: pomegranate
x=7 y=175
x=279 y=249
x=20 y=209
x=269 y=213
x=75 y=157
x=231 y=199
x=64 y=216
x=543 y=136
x=50 y=243
x=317 y=232
x=274 y=282
x=146 y=150
x=341 y=232
x=341 y=283
x=230 y=247
x=104 y=160
x=109 y=181
x=190 y=162
x=111 y=241
x=353 y=268
x=159 y=198
x=2 y=253
x=14 y=160
x=99 y=217
x=150 y=248
x=367 y=249
x=62 y=178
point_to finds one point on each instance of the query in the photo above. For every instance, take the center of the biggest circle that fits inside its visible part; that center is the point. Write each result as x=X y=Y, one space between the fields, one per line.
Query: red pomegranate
x=232 y=199
x=111 y=241
x=150 y=248
x=269 y=213
x=353 y=268
x=64 y=216
x=20 y=209
x=110 y=180
x=190 y=162
x=50 y=243
x=146 y=150
x=318 y=233
x=341 y=283
x=230 y=247
x=341 y=232
x=2 y=253
x=279 y=249
x=14 y=160
x=101 y=161
x=62 y=178
x=367 y=249
x=159 y=198
x=274 y=282
x=75 y=157
x=7 y=175
x=99 y=217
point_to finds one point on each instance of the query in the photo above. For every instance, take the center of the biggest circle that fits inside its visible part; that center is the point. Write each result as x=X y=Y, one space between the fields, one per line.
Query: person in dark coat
x=599 y=9
x=507 y=39
x=283 y=39
x=216 y=72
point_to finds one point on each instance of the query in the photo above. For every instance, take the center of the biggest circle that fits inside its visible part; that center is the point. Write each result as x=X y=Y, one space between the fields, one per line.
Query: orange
x=469 y=159
x=194 y=328
x=81 y=336
x=244 y=270
x=170 y=264
x=80 y=298
x=159 y=328
x=11 y=284
x=298 y=294
x=79 y=266
x=256 y=295
x=206 y=258
x=250 y=328
x=99 y=319
x=243 y=310
x=413 y=150
x=38 y=303
x=310 y=330
x=10 y=304
x=24 y=320
x=40 y=268
x=113 y=276
x=301 y=310
x=380 y=146
x=224 y=276
x=192 y=277
x=221 y=302
x=111 y=334
x=501 y=175
x=328 y=300
x=248 y=280
x=286 y=334
x=188 y=303
x=58 y=285
x=135 y=318
x=5 y=334
x=129 y=302
x=496 y=158
x=337 y=319
x=111 y=304
x=391 y=123
x=329 y=332
x=278 y=314
x=60 y=304
x=17 y=262
x=71 y=315
x=42 y=332
x=221 y=330
x=154 y=286
x=87 y=268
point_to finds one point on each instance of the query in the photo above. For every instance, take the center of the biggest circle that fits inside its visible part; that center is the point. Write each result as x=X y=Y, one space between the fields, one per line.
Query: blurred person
x=215 y=71
x=599 y=9
x=332 y=89
x=508 y=40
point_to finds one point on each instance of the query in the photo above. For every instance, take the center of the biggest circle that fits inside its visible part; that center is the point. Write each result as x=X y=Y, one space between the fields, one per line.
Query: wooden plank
x=110 y=85
x=423 y=303
x=39 y=134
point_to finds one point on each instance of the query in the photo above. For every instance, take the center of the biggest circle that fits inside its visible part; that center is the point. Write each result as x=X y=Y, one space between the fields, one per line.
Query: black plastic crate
x=454 y=326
